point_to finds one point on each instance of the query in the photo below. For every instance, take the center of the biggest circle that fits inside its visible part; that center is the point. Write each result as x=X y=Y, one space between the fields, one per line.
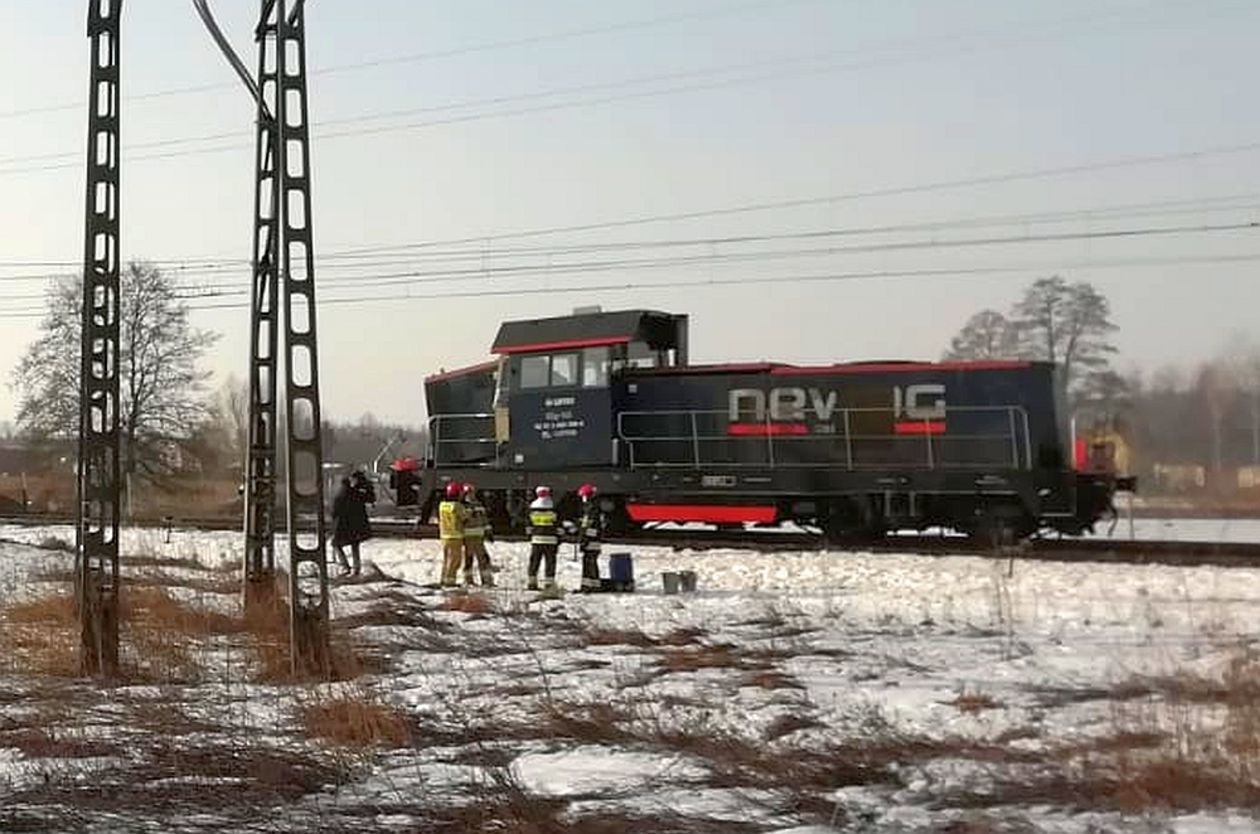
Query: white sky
x=830 y=97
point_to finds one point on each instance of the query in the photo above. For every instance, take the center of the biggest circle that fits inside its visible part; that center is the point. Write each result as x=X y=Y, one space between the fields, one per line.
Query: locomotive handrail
x=436 y=440
x=1017 y=435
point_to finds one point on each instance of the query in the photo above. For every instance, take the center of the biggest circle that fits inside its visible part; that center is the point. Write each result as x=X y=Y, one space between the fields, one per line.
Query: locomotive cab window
x=564 y=370
x=535 y=371
x=595 y=367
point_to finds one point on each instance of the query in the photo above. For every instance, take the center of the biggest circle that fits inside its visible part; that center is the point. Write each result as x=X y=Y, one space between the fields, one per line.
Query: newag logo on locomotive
x=915 y=409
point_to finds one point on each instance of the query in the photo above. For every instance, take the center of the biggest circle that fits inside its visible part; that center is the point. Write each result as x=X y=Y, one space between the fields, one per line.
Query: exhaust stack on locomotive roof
x=610 y=399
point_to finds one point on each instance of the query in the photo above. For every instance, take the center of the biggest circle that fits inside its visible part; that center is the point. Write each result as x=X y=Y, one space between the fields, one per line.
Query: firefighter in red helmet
x=476 y=531
x=452 y=516
x=590 y=529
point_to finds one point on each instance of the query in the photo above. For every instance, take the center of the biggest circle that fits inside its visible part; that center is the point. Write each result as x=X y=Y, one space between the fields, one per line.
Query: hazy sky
x=525 y=116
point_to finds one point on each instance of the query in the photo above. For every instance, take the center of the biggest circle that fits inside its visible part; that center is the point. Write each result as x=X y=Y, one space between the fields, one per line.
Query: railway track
x=1178 y=553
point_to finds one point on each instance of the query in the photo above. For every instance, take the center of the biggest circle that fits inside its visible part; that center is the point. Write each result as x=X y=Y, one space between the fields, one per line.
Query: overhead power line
x=631 y=286
x=417 y=57
x=588 y=267
x=430 y=276
x=396 y=254
x=844 y=197
x=908 y=52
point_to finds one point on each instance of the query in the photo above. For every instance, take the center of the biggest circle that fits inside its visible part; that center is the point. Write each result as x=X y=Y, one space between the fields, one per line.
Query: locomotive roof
x=858 y=367
x=659 y=330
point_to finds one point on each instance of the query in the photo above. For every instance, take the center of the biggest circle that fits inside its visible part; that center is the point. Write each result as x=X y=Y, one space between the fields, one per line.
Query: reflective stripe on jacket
x=451 y=518
x=590 y=528
x=477 y=522
x=542 y=524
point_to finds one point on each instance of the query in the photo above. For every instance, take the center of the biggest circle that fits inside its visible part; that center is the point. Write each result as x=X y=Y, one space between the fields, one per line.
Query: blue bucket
x=621 y=571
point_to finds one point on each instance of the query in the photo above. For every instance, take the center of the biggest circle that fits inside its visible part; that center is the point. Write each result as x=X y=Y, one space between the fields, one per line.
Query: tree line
x=1207 y=416
x=173 y=425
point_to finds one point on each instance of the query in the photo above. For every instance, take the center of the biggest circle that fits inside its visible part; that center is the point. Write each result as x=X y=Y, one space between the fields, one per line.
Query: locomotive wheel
x=852 y=522
x=993 y=530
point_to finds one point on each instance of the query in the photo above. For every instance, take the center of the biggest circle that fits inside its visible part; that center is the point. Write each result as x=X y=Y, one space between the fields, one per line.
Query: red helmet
x=586 y=491
x=468 y=489
x=542 y=492
x=452 y=489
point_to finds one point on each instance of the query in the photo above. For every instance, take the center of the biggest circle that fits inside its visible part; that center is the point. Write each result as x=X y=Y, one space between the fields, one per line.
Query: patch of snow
x=588 y=770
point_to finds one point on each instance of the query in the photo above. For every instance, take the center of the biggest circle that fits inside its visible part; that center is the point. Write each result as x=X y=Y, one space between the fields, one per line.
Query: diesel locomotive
x=854 y=449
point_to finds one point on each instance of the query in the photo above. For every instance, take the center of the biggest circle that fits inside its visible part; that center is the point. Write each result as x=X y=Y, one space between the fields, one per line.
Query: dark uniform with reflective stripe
x=590 y=530
x=544 y=541
x=476 y=528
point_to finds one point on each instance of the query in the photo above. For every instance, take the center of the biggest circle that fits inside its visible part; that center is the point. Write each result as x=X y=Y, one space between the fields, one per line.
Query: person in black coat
x=350 y=520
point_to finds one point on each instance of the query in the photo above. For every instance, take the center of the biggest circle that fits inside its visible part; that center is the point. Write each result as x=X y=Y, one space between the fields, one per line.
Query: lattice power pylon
x=260 y=466
x=308 y=564
x=99 y=476
x=283 y=256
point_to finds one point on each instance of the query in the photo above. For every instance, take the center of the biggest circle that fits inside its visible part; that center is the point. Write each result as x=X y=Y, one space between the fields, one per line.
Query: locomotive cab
x=553 y=405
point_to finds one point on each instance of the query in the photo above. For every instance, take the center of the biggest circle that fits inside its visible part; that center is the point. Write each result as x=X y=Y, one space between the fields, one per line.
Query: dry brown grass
x=47 y=743
x=683 y=637
x=594 y=722
x=164 y=639
x=770 y=679
x=158 y=635
x=787 y=724
x=620 y=637
x=973 y=702
x=152 y=560
x=701 y=657
x=469 y=602
x=1178 y=743
x=266 y=628
x=155 y=608
x=355 y=717
x=41 y=635
x=225 y=586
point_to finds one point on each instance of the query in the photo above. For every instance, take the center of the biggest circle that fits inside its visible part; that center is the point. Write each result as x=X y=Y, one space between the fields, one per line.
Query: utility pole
x=98 y=485
x=283 y=255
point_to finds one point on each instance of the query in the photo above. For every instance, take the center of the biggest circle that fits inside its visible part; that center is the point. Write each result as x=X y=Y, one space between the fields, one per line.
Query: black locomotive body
x=855 y=449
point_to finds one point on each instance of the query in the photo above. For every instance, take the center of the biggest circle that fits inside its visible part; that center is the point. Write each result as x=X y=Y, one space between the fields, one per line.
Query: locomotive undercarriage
x=845 y=506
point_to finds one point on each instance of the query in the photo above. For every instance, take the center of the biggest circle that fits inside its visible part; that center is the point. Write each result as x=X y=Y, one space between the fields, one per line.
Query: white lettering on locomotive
x=785 y=404
x=910 y=403
x=925 y=401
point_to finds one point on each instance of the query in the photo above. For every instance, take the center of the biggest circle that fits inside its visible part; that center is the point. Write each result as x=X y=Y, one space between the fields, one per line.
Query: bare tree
x=1215 y=390
x=162 y=387
x=232 y=411
x=1069 y=324
x=986 y=335
x=1243 y=358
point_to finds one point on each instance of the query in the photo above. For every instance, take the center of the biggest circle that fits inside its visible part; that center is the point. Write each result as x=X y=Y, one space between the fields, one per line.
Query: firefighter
x=589 y=531
x=452 y=515
x=476 y=531
x=544 y=541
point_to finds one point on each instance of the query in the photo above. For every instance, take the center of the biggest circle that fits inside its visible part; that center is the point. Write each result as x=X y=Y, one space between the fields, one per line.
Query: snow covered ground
x=806 y=692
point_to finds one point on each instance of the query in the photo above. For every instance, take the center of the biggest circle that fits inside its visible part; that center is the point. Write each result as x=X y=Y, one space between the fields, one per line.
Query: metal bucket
x=670 y=580
x=687 y=581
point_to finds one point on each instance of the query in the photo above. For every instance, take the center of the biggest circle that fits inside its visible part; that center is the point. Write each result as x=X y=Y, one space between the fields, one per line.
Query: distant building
x=19 y=458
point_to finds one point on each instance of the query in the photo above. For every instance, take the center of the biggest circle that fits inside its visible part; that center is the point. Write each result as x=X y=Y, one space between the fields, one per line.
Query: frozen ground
x=807 y=692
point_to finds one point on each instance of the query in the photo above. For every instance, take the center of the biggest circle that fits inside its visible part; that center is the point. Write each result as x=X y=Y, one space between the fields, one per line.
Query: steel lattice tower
x=283 y=257
x=260 y=467
x=304 y=456
x=99 y=476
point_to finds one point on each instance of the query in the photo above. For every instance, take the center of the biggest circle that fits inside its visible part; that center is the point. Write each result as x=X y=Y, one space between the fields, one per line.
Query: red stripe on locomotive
x=708 y=513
